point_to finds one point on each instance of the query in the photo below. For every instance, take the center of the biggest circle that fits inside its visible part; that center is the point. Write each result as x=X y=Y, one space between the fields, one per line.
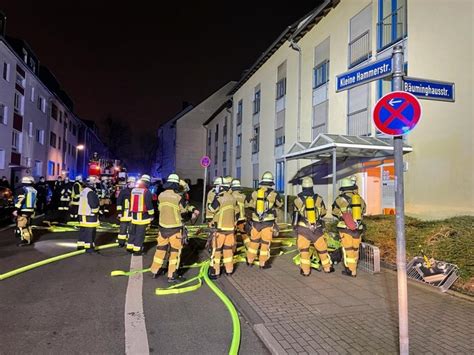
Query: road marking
x=136 y=339
x=7 y=227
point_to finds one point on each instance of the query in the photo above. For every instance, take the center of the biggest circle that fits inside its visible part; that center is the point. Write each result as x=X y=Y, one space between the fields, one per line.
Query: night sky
x=140 y=62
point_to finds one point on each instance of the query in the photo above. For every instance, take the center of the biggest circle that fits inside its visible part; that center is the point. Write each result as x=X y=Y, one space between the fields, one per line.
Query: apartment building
x=288 y=107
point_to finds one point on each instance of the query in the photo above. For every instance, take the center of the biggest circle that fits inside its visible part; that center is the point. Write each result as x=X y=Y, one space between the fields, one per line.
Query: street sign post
x=429 y=89
x=370 y=72
x=396 y=113
x=205 y=162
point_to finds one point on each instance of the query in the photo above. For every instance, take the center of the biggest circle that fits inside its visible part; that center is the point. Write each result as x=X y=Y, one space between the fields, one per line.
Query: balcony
x=360 y=49
x=392 y=28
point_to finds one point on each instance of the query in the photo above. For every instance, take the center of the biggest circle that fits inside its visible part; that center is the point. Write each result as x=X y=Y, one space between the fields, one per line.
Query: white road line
x=136 y=339
x=7 y=227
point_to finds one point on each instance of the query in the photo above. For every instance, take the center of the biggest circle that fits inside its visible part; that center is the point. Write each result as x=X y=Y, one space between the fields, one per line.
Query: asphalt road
x=75 y=306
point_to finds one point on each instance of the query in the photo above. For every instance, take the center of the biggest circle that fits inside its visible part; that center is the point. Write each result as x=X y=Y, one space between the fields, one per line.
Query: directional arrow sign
x=396 y=113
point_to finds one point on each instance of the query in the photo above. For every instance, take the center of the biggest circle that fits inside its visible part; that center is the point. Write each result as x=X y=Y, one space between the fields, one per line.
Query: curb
x=267 y=338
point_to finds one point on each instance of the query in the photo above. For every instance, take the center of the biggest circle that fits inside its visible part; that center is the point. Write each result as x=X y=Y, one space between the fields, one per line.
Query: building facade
x=288 y=107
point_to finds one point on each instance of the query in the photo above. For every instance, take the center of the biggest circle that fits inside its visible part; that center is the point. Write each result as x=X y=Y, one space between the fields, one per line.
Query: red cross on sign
x=396 y=113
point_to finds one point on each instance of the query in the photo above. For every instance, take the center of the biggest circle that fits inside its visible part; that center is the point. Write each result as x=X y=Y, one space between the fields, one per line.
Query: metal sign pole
x=397 y=82
x=203 y=211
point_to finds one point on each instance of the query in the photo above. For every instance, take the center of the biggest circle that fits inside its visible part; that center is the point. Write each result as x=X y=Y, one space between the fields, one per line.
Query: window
x=392 y=25
x=38 y=170
x=52 y=139
x=256 y=102
x=279 y=136
x=54 y=111
x=60 y=116
x=2 y=159
x=58 y=170
x=238 y=153
x=360 y=37
x=238 y=172
x=215 y=155
x=239 y=112
x=6 y=71
x=209 y=135
x=216 y=133
x=59 y=143
x=51 y=168
x=16 y=141
x=256 y=139
x=321 y=74
x=3 y=114
x=281 y=88
x=280 y=176
x=41 y=104
x=30 y=129
x=18 y=103
x=20 y=80
x=74 y=130
x=40 y=136
x=32 y=98
x=224 y=153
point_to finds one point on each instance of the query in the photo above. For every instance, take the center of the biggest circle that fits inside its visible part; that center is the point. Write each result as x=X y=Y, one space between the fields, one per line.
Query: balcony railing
x=392 y=28
x=360 y=49
x=358 y=123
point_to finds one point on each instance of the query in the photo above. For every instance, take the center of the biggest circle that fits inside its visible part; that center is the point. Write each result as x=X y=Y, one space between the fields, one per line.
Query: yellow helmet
x=219 y=180
x=347 y=182
x=307 y=182
x=27 y=180
x=227 y=181
x=184 y=185
x=173 y=178
x=267 y=178
x=235 y=183
x=145 y=178
x=131 y=179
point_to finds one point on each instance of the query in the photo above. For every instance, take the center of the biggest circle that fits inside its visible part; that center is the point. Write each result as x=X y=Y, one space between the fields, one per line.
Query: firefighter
x=141 y=208
x=123 y=209
x=75 y=195
x=309 y=209
x=349 y=207
x=264 y=202
x=88 y=212
x=210 y=198
x=236 y=189
x=43 y=189
x=64 y=200
x=25 y=203
x=225 y=209
x=170 y=224
x=192 y=212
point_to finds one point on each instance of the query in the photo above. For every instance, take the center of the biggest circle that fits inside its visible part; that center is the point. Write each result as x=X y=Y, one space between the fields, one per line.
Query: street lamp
x=81 y=147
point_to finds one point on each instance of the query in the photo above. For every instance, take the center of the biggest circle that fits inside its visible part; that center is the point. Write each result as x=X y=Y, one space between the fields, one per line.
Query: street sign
x=205 y=161
x=429 y=89
x=370 y=72
x=396 y=113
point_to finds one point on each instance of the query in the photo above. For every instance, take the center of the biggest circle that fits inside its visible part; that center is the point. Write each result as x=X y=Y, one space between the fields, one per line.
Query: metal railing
x=392 y=28
x=369 y=258
x=441 y=276
x=358 y=123
x=360 y=49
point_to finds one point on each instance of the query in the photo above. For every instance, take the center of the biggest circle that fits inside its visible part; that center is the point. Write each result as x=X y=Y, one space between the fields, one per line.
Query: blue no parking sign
x=396 y=113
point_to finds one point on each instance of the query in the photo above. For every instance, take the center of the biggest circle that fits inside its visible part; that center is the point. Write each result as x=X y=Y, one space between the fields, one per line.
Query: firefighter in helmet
x=309 y=209
x=236 y=189
x=192 y=212
x=264 y=201
x=210 y=197
x=141 y=208
x=64 y=200
x=25 y=204
x=348 y=208
x=225 y=209
x=75 y=195
x=123 y=210
x=171 y=206
x=88 y=216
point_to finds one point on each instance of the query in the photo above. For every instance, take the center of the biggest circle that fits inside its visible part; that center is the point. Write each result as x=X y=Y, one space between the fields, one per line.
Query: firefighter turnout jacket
x=25 y=199
x=123 y=204
x=310 y=208
x=141 y=205
x=210 y=197
x=225 y=209
x=171 y=206
x=349 y=203
x=88 y=208
x=240 y=200
x=76 y=193
x=264 y=203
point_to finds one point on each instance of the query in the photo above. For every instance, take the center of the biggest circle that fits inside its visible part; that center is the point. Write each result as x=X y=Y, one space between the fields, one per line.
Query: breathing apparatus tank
x=356 y=207
x=310 y=210
x=260 y=208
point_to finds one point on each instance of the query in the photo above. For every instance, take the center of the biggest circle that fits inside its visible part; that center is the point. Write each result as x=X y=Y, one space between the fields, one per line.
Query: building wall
x=442 y=146
x=220 y=165
x=190 y=135
x=166 y=156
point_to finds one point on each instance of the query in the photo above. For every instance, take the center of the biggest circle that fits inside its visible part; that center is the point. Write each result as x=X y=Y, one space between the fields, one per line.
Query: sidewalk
x=332 y=313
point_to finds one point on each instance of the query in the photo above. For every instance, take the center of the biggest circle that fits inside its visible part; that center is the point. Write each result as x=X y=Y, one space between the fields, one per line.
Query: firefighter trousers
x=86 y=238
x=321 y=247
x=223 y=246
x=241 y=231
x=350 y=247
x=136 y=237
x=23 y=226
x=174 y=243
x=73 y=210
x=123 y=232
x=260 y=242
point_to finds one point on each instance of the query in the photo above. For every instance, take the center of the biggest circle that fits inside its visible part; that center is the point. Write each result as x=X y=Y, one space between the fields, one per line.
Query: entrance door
x=374 y=191
x=15 y=178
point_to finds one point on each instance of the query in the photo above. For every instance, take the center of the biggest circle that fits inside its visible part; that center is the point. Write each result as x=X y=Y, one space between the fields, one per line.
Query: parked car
x=6 y=204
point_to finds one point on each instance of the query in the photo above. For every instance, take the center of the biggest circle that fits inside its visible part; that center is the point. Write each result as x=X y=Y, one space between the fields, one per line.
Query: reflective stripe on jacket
x=170 y=205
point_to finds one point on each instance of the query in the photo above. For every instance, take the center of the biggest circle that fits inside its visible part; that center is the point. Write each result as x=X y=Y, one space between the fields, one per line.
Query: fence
x=369 y=258
x=441 y=276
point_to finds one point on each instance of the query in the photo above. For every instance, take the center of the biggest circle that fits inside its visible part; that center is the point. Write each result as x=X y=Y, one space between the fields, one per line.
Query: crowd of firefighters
x=230 y=215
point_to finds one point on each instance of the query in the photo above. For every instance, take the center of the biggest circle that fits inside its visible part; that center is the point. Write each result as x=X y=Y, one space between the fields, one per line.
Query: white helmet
x=79 y=178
